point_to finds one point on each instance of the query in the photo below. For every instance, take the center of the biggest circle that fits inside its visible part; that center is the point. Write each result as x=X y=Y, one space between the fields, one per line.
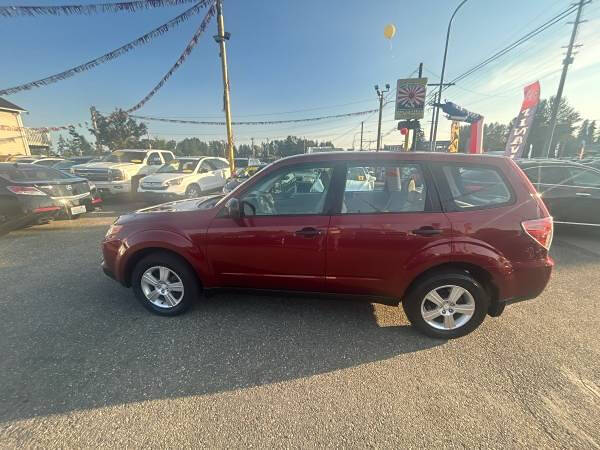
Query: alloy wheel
x=447 y=307
x=162 y=287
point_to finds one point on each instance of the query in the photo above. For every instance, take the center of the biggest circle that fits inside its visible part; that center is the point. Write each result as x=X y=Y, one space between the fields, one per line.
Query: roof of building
x=5 y=104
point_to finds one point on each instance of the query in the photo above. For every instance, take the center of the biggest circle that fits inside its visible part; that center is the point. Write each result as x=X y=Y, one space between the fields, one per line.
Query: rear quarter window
x=475 y=187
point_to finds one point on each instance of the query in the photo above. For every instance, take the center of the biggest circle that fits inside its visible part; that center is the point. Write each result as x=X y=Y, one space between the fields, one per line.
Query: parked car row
x=32 y=194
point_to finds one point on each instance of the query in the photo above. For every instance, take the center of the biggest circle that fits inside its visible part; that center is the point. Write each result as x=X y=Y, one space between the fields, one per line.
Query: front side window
x=293 y=190
x=167 y=157
x=207 y=166
x=553 y=175
x=384 y=189
x=476 y=187
x=179 y=166
x=154 y=159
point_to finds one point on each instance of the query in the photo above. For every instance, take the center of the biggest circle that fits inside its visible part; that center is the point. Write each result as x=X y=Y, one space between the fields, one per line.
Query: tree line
x=570 y=135
x=117 y=131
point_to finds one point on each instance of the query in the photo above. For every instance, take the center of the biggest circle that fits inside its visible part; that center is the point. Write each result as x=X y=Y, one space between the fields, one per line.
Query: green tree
x=566 y=124
x=191 y=147
x=217 y=148
x=77 y=144
x=158 y=144
x=62 y=148
x=118 y=130
x=494 y=136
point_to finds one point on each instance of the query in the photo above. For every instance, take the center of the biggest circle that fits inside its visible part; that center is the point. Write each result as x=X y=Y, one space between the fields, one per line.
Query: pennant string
x=195 y=38
x=159 y=31
x=69 y=10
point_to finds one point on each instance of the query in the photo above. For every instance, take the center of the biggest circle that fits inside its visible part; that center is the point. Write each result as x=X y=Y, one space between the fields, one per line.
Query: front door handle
x=308 y=232
x=583 y=194
x=427 y=231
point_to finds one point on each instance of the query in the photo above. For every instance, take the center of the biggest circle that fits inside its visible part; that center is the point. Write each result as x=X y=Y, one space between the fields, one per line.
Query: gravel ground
x=84 y=365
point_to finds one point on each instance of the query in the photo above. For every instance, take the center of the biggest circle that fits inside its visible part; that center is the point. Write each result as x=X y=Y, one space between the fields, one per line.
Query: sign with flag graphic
x=410 y=98
x=518 y=135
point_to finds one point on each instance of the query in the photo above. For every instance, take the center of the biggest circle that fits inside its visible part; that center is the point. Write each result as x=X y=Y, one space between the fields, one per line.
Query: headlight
x=113 y=231
x=115 y=175
x=174 y=182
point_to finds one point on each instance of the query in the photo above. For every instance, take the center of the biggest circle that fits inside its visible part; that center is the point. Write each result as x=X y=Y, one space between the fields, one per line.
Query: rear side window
x=384 y=189
x=219 y=164
x=476 y=187
x=167 y=157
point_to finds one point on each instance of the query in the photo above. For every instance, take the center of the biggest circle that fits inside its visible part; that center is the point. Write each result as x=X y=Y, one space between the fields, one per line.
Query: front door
x=279 y=242
x=387 y=217
x=584 y=184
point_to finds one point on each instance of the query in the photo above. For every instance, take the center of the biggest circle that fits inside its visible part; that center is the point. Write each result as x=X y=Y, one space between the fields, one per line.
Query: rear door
x=209 y=178
x=385 y=225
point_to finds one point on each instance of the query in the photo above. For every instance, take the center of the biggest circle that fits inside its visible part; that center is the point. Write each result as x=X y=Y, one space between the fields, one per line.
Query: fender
x=163 y=239
x=434 y=255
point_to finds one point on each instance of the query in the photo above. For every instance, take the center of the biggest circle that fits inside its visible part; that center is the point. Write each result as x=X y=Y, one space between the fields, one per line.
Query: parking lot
x=84 y=365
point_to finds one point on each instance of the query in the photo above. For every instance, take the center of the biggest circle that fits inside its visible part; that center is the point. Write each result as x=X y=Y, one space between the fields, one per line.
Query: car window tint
x=293 y=190
x=533 y=174
x=47 y=162
x=553 y=175
x=583 y=177
x=476 y=187
x=207 y=166
x=35 y=173
x=154 y=159
x=167 y=157
x=384 y=189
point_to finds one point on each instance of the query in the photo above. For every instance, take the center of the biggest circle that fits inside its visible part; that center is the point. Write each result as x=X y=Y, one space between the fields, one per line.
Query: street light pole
x=361 y=134
x=436 y=109
x=381 y=98
x=221 y=38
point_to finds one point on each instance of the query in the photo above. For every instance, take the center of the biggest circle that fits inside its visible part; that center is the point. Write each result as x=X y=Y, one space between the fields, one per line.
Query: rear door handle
x=308 y=232
x=583 y=194
x=427 y=231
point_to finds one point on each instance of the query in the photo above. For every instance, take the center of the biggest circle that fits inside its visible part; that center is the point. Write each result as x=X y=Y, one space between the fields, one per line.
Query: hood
x=162 y=177
x=194 y=204
x=104 y=165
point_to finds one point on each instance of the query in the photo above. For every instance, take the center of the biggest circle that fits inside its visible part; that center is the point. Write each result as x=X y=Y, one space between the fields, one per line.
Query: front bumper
x=113 y=187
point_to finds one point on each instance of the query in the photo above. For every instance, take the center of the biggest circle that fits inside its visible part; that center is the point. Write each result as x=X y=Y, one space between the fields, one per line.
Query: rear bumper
x=114 y=187
x=525 y=282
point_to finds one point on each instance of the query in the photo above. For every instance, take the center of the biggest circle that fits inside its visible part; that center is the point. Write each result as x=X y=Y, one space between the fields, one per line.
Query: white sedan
x=185 y=178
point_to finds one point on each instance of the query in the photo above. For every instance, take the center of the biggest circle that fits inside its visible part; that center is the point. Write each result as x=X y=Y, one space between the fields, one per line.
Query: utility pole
x=566 y=62
x=380 y=94
x=221 y=38
x=253 y=152
x=95 y=127
x=362 y=123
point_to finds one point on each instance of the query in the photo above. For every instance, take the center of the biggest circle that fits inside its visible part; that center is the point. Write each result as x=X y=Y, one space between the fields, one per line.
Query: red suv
x=451 y=237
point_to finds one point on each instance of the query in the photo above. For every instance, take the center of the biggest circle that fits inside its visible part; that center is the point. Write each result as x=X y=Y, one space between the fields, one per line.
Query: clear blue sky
x=322 y=57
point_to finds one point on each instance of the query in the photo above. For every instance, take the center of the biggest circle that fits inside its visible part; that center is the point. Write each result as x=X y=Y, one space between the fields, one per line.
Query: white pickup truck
x=120 y=172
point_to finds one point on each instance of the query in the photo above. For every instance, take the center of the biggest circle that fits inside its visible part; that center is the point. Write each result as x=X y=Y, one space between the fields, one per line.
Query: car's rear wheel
x=193 y=191
x=447 y=305
x=164 y=284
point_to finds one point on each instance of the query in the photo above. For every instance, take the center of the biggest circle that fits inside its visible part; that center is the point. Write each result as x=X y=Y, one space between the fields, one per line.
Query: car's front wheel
x=193 y=191
x=447 y=305
x=164 y=284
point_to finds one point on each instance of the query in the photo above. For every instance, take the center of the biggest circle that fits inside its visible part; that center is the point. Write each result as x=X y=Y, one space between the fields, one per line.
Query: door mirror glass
x=233 y=208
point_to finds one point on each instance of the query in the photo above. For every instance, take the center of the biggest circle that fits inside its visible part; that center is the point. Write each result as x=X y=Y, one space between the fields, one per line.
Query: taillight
x=540 y=230
x=24 y=190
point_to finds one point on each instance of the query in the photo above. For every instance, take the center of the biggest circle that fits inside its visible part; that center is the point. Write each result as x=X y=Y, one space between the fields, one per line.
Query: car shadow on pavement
x=104 y=349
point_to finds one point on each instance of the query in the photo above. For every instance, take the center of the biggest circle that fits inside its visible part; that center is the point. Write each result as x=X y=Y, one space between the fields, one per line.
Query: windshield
x=180 y=166
x=120 y=156
x=241 y=162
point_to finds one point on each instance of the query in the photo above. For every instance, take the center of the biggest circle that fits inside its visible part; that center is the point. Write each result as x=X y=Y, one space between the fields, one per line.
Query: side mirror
x=233 y=208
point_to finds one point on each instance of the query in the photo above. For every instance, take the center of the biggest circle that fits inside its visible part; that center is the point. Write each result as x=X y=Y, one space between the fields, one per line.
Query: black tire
x=190 y=189
x=414 y=299
x=180 y=267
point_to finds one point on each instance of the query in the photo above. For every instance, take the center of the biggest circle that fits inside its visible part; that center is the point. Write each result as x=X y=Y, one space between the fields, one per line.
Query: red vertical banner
x=517 y=140
x=476 y=141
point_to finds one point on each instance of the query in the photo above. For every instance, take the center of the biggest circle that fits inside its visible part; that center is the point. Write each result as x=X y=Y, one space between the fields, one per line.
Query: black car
x=73 y=194
x=22 y=205
x=570 y=190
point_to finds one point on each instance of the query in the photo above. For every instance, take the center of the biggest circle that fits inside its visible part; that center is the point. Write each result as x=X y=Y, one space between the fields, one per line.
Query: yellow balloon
x=389 y=31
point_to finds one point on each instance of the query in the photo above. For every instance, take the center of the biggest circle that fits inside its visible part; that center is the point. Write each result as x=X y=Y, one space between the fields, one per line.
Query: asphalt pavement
x=84 y=365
